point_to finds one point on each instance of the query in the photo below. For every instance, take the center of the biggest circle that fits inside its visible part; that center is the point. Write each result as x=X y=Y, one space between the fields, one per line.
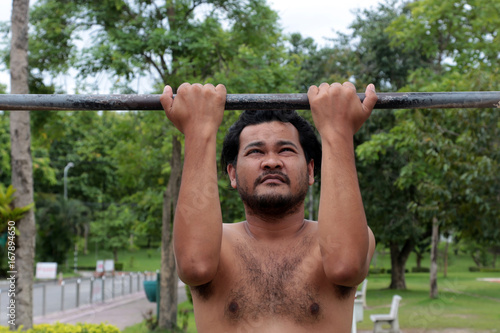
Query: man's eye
x=287 y=149
x=253 y=151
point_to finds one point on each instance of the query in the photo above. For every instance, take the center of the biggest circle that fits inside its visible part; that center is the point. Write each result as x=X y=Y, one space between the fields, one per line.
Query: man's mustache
x=280 y=174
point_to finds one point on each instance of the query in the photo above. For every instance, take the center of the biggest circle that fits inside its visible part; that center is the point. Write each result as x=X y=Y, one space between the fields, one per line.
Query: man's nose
x=272 y=161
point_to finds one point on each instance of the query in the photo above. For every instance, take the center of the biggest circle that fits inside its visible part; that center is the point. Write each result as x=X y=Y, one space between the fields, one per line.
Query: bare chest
x=283 y=283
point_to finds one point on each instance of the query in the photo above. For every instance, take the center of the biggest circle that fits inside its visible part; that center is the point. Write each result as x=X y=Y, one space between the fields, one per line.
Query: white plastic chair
x=387 y=319
x=361 y=294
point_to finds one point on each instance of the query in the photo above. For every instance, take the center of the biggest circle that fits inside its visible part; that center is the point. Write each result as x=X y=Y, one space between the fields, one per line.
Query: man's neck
x=263 y=227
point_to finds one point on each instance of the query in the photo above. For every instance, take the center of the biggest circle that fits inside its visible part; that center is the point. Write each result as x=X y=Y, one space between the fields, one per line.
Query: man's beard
x=273 y=205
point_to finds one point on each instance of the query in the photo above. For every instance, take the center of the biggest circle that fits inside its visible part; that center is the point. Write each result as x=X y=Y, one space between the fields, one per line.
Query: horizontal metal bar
x=410 y=100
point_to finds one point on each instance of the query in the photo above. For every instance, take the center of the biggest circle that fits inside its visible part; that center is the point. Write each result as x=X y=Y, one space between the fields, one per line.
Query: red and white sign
x=46 y=270
x=99 y=268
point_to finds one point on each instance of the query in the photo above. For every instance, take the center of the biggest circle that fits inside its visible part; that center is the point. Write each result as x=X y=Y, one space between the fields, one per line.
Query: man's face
x=271 y=175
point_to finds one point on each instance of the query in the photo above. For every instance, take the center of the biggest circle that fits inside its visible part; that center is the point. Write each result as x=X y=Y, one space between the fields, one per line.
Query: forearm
x=344 y=235
x=198 y=218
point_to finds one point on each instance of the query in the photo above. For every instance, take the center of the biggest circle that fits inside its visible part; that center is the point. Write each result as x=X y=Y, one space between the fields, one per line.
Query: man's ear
x=310 y=171
x=231 y=171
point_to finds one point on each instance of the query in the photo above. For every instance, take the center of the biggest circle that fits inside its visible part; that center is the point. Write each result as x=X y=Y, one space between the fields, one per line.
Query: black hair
x=307 y=135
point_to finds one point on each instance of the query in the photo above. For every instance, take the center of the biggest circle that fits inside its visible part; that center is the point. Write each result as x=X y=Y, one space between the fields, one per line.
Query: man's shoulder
x=234 y=232
x=232 y=228
x=233 y=225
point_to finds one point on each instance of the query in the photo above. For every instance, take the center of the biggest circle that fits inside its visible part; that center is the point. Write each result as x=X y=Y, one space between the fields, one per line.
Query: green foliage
x=58 y=220
x=4 y=148
x=465 y=31
x=57 y=23
x=234 y=42
x=364 y=56
x=7 y=211
x=112 y=228
x=375 y=59
x=450 y=156
x=328 y=64
x=62 y=328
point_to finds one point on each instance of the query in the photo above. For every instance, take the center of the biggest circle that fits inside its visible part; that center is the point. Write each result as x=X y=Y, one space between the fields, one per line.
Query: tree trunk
x=445 y=264
x=86 y=229
x=398 y=263
x=115 y=255
x=419 y=259
x=434 y=255
x=22 y=169
x=167 y=318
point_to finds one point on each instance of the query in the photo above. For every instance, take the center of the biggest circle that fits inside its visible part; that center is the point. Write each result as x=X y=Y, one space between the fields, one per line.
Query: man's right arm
x=197 y=112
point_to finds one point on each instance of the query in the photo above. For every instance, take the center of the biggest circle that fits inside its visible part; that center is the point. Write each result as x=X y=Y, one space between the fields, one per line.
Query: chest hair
x=274 y=283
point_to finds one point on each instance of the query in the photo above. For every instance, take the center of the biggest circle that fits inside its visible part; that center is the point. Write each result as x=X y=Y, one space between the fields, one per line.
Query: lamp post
x=66 y=168
x=69 y=165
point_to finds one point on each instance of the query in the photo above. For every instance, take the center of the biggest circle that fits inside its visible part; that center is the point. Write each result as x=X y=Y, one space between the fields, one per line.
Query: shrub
x=86 y=268
x=376 y=271
x=489 y=270
x=473 y=269
x=118 y=266
x=389 y=271
x=63 y=328
x=420 y=270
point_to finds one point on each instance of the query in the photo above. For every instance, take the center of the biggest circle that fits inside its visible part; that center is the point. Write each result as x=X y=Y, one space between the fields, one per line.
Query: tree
x=367 y=56
x=60 y=219
x=22 y=173
x=451 y=155
x=113 y=229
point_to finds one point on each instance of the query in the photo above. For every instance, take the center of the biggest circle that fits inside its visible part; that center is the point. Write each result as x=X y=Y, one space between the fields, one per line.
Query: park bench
x=387 y=319
x=359 y=304
x=361 y=294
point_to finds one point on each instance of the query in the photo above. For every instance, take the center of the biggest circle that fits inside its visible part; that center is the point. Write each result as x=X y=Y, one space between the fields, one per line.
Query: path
x=121 y=311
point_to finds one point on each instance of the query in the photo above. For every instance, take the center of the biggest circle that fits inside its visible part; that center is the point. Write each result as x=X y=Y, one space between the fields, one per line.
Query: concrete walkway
x=122 y=312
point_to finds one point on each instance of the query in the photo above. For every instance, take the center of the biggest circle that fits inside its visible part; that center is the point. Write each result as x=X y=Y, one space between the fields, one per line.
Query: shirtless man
x=276 y=271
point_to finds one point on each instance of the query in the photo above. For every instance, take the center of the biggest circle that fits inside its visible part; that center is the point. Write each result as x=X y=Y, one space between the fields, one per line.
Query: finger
x=221 y=92
x=334 y=88
x=323 y=87
x=197 y=86
x=183 y=87
x=221 y=88
x=166 y=98
x=370 y=98
x=209 y=86
x=348 y=84
x=312 y=91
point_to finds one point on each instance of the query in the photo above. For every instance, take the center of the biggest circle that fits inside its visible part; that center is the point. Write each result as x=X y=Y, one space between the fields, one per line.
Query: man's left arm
x=346 y=242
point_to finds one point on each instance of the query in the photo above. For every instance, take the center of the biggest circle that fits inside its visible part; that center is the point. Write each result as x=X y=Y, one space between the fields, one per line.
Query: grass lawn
x=133 y=261
x=463 y=302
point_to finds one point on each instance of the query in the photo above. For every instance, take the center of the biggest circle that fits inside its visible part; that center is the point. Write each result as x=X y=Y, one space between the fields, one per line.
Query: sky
x=312 y=18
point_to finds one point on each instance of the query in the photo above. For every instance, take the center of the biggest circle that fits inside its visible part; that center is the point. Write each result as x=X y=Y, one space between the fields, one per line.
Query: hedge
x=484 y=269
x=66 y=328
x=420 y=270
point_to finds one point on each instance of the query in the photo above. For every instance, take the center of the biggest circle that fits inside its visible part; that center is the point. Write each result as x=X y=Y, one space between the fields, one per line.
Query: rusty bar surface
x=410 y=100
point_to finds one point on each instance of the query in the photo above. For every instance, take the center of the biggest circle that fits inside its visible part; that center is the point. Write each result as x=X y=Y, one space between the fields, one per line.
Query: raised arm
x=346 y=242
x=197 y=112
